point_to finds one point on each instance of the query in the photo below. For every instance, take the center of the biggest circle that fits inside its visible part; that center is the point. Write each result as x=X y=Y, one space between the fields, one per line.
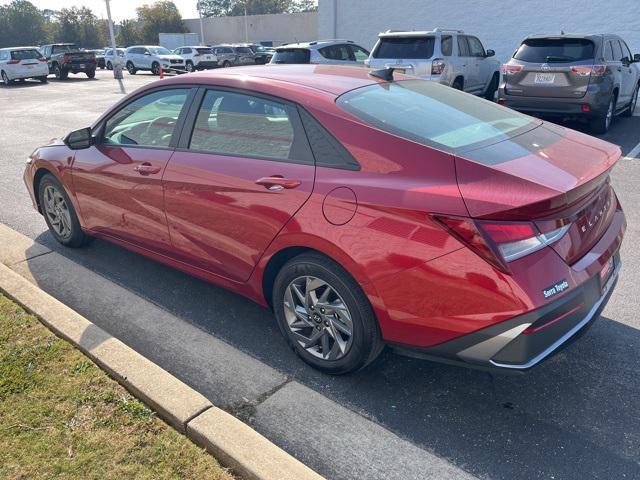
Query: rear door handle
x=146 y=169
x=276 y=183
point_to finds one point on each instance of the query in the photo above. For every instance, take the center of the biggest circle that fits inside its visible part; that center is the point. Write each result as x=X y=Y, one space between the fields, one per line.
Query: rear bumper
x=204 y=65
x=524 y=341
x=595 y=97
x=76 y=67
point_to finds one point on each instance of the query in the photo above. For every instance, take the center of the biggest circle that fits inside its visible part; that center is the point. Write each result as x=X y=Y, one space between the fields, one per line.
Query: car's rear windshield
x=434 y=115
x=65 y=48
x=204 y=51
x=550 y=50
x=292 y=55
x=405 y=47
x=24 y=54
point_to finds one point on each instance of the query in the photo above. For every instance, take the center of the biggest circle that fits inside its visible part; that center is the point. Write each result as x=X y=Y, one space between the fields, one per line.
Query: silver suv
x=450 y=57
x=331 y=52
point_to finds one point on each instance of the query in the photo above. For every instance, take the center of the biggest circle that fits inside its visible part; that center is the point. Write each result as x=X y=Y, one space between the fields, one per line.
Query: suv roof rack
x=438 y=29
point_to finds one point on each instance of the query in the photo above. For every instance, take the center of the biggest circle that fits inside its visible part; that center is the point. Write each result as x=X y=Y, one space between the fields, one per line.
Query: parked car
x=330 y=52
x=225 y=54
x=363 y=209
x=197 y=58
x=450 y=57
x=594 y=77
x=65 y=58
x=152 y=58
x=100 y=60
x=261 y=54
x=20 y=63
x=109 y=57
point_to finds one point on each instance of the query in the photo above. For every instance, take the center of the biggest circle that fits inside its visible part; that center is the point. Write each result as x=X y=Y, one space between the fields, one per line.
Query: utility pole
x=246 y=26
x=202 y=42
x=117 y=67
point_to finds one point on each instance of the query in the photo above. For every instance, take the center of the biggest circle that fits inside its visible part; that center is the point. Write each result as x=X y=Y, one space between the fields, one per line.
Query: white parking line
x=634 y=152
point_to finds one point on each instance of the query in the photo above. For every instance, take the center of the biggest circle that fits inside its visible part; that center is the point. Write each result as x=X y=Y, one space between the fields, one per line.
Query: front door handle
x=146 y=169
x=276 y=183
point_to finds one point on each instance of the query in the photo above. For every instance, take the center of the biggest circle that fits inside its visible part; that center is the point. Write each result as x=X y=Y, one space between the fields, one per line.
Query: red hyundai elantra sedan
x=365 y=211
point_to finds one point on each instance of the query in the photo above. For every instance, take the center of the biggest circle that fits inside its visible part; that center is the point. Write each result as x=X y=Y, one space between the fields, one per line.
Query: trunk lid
x=551 y=67
x=549 y=175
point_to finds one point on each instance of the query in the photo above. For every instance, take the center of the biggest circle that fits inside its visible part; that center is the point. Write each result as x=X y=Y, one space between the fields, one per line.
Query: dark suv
x=590 y=76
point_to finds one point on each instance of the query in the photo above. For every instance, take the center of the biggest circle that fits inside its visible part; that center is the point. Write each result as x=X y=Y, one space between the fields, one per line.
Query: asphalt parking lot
x=576 y=416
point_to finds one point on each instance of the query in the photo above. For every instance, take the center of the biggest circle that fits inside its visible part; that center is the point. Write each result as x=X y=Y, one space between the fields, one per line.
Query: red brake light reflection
x=508 y=69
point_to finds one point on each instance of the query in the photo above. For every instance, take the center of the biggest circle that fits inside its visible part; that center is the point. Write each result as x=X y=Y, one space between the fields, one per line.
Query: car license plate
x=82 y=65
x=400 y=70
x=545 y=77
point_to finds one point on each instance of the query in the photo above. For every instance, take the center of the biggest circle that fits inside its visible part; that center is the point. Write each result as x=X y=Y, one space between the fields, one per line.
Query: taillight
x=501 y=242
x=508 y=69
x=13 y=62
x=588 y=70
x=437 y=66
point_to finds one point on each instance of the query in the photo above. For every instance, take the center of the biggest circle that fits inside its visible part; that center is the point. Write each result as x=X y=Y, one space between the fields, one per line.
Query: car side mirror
x=636 y=57
x=490 y=53
x=79 y=139
x=147 y=53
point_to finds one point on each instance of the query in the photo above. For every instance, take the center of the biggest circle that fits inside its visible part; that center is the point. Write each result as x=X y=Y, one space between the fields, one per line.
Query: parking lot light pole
x=202 y=42
x=117 y=67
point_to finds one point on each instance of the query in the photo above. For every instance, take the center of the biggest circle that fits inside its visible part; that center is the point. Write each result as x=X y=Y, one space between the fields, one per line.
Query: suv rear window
x=405 y=47
x=292 y=55
x=204 y=51
x=434 y=115
x=547 y=50
x=24 y=54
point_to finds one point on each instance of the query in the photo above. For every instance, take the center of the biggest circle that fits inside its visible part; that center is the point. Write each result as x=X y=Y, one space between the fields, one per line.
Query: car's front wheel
x=43 y=79
x=155 y=68
x=91 y=74
x=131 y=68
x=59 y=213
x=5 y=78
x=109 y=66
x=59 y=72
x=325 y=316
x=189 y=67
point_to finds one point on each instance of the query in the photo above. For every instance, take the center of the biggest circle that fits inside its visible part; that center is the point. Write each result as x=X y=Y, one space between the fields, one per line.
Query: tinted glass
x=617 y=51
x=337 y=52
x=64 y=48
x=626 y=53
x=236 y=124
x=463 y=46
x=204 y=51
x=25 y=54
x=291 y=55
x=475 y=47
x=447 y=45
x=244 y=50
x=359 y=53
x=608 y=52
x=159 y=51
x=147 y=121
x=405 y=47
x=547 y=50
x=433 y=114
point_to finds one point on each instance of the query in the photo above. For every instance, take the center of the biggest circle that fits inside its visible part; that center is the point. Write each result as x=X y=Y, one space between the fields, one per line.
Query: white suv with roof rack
x=328 y=52
x=450 y=57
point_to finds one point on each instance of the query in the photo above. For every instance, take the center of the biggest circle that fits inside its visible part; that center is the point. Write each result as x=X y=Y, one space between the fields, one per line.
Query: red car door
x=118 y=181
x=243 y=171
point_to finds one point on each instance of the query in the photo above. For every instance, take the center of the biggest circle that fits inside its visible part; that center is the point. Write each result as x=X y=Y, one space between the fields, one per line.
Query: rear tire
x=59 y=213
x=490 y=94
x=59 y=72
x=325 y=323
x=5 y=79
x=43 y=79
x=632 y=106
x=226 y=64
x=458 y=84
x=131 y=68
x=601 y=124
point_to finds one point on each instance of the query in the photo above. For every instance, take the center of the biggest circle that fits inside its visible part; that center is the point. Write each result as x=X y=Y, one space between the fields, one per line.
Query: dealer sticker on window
x=555 y=289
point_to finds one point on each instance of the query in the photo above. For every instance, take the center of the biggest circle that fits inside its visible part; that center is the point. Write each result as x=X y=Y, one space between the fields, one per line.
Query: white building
x=500 y=24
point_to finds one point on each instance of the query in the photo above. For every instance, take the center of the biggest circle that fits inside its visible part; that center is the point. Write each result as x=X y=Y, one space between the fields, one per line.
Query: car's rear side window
x=24 y=54
x=434 y=115
x=554 y=50
x=292 y=55
x=405 y=47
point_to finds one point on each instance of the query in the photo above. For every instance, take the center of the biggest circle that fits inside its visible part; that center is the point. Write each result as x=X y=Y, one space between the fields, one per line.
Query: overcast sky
x=120 y=9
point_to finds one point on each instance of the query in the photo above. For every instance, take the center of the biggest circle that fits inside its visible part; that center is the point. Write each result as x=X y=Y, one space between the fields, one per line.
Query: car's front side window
x=148 y=121
x=359 y=53
x=238 y=124
x=475 y=47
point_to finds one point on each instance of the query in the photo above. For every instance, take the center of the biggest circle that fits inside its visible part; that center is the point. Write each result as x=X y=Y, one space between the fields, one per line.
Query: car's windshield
x=434 y=115
x=549 y=50
x=25 y=54
x=159 y=51
x=291 y=55
x=405 y=47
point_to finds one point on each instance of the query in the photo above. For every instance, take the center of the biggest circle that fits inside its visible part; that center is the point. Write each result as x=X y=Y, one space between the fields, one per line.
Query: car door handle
x=146 y=169
x=276 y=183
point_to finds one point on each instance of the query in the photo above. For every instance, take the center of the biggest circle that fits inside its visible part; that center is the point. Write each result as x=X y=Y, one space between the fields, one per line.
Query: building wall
x=284 y=28
x=500 y=24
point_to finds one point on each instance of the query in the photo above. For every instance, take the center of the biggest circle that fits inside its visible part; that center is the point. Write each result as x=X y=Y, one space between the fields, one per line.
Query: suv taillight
x=437 y=66
x=500 y=242
x=508 y=69
x=13 y=62
x=588 y=70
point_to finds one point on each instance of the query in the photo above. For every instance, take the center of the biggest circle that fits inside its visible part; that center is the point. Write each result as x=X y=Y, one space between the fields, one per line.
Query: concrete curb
x=235 y=444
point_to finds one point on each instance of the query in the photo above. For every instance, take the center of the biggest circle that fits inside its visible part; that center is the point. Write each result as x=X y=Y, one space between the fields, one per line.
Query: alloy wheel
x=5 y=79
x=189 y=67
x=57 y=212
x=318 y=318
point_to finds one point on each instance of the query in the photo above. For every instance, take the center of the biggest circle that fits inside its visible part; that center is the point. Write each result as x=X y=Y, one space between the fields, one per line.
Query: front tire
x=490 y=94
x=59 y=72
x=155 y=68
x=325 y=316
x=226 y=64
x=5 y=79
x=189 y=67
x=91 y=74
x=43 y=79
x=59 y=213
x=109 y=66
x=131 y=68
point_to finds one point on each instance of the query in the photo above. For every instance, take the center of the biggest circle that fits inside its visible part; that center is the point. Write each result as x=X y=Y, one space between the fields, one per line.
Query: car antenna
x=383 y=73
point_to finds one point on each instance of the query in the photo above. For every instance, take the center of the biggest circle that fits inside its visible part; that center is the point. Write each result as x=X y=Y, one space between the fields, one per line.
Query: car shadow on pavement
x=576 y=416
